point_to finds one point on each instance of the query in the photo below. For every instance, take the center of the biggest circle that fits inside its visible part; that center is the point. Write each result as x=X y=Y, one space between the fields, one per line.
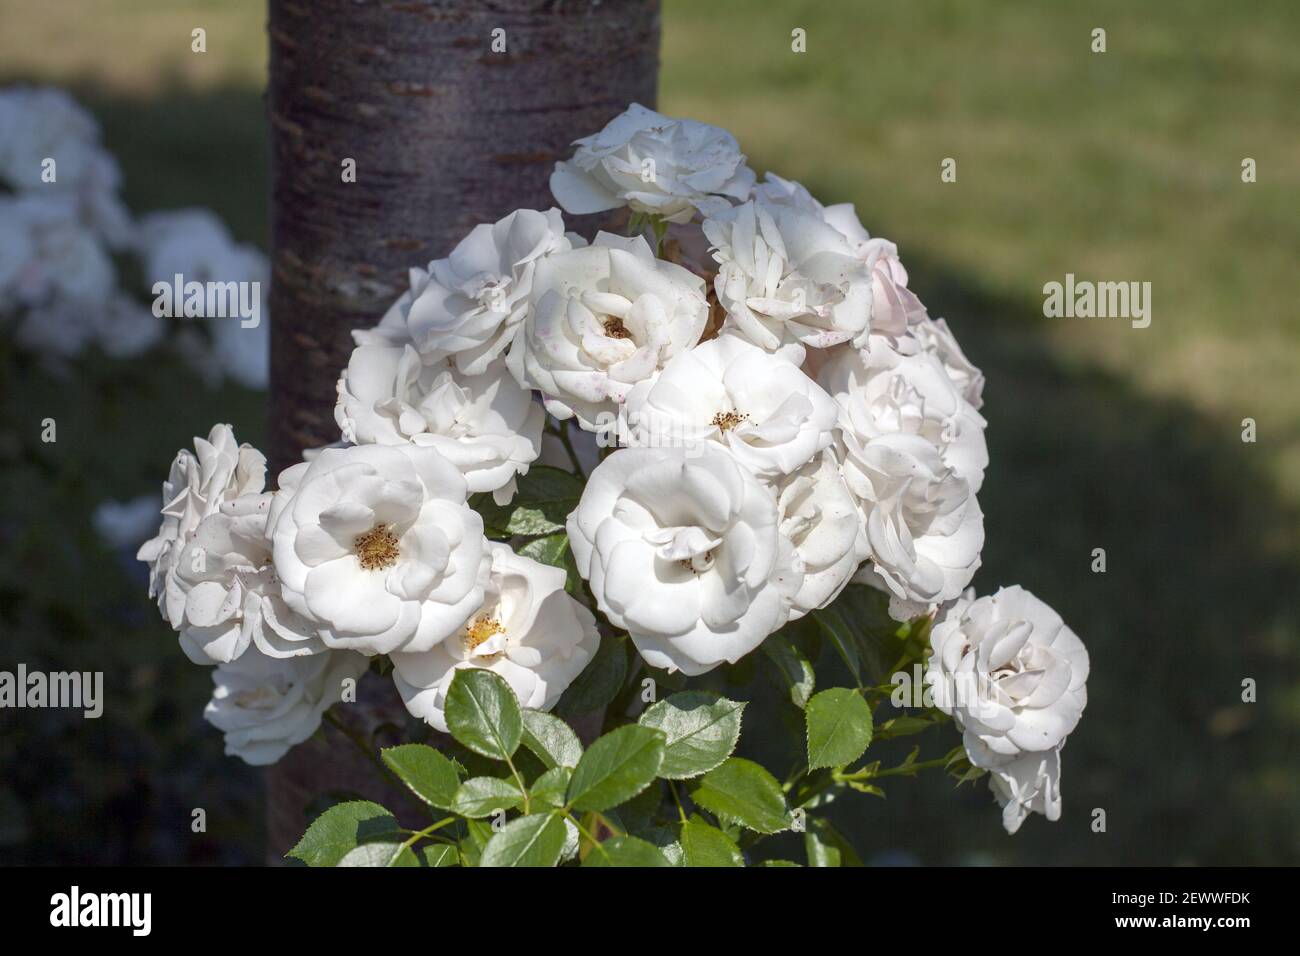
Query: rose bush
x=802 y=457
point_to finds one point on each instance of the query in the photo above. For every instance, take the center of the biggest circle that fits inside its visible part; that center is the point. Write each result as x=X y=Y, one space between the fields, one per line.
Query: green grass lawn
x=1123 y=165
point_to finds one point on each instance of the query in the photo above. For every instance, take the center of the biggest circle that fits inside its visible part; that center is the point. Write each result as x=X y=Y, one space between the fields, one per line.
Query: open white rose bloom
x=552 y=451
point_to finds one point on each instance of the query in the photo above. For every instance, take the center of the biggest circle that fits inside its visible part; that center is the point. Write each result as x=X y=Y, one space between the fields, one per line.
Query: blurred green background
x=1124 y=165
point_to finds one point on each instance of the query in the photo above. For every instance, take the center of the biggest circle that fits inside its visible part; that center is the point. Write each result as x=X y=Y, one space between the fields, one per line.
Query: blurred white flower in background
x=127 y=523
x=195 y=245
x=62 y=226
x=40 y=124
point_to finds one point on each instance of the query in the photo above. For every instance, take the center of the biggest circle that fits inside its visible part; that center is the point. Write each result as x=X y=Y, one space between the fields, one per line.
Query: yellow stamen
x=728 y=420
x=377 y=548
x=480 y=629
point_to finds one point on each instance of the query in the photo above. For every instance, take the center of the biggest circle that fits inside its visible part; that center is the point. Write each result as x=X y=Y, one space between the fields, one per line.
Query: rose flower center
x=615 y=328
x=728 y=420
x=480 y=629
x=377 y=548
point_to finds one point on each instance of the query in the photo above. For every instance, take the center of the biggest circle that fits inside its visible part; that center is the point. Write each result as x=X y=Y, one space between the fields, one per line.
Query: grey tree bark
x=447 y=129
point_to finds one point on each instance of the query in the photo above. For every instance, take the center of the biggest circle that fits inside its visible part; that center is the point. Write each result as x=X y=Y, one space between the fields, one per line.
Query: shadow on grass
x=1197 y=594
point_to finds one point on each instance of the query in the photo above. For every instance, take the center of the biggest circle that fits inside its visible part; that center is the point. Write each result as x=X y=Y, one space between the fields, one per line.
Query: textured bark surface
x=445 y=134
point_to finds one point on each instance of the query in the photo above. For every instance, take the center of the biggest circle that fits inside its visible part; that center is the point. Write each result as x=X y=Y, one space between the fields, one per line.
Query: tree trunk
x=446 y=130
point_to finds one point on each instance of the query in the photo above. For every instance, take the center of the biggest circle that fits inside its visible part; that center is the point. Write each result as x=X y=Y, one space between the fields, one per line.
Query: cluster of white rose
x=64 y=228
x=791 y=417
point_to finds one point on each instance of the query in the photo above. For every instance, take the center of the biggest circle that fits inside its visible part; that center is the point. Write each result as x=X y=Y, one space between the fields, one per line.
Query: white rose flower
x=264 y=705
x=468 y=306
x=58 y=257
x=193 y=243
x=46 y=123
x=914 y=456
x=79 y=282
x=391 y=330
x=1010 y=672
x=654 y=165
x=682 y=549
x=777 y=191
x=935 y=337
x=820 y=518
x=602 y=319
x=17 y=252
x=123 y=523
x=786 y=276
x=1029 y=783
x=897 y=313
x=225 y=588
x=770 y=415
x=242 y=353
x=895 y=308
x=125 y=329
x=375 y=546
x=486 y=425
x=218 y=470
x=528 y=631
x=196 y=245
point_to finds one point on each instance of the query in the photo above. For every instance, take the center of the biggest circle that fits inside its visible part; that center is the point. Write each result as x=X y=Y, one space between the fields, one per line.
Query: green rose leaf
x=706 y=845
x=825 y=846
x=440 y=854
x=840 y=631
x=342 y=828
x=483 y=714
x=551 y=787
x=552 y=549
x=599 y=682
x=742 y=792
x=477 y=834
x=795 y=670
x=839 y=727
x=380 y=854
x=862 y=631
x=482 y=796
x=625 y=851
x=543 y=499
x=534 y=840
x=701 y=728
x=429 y=775
x=551 y=740
x=905 y=725
x=616 y=767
